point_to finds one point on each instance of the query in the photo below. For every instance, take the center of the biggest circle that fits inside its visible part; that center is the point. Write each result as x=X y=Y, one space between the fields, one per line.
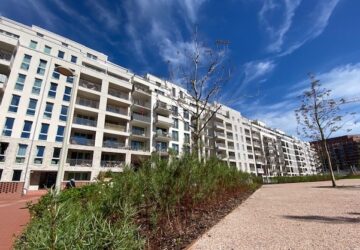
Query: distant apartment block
x=344 y=152
x=105 y=116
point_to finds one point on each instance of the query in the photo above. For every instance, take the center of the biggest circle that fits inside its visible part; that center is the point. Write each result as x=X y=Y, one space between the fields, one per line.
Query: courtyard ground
x=291 y=216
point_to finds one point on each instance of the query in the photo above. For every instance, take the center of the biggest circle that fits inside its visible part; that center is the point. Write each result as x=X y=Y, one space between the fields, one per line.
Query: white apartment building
x=105 y=116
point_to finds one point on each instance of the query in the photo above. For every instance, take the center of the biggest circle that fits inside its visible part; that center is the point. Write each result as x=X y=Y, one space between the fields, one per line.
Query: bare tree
x=202 y=72
x=319 y=116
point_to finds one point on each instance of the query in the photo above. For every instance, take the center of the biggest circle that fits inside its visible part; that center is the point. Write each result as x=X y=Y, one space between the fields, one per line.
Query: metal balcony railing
x=114 y=126
x=82 y=141
x=113 y=144
x=80 y=162
x=139 y=117
x=87 y=102
x=112 y=164
x=118 y=94
x=117 y=110
x=90 y=85
x=84 y=121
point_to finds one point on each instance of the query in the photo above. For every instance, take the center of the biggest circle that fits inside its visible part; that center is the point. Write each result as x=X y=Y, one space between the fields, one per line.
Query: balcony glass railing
x=138 y=132
x=87 y=102
x=220 y=134
x=222 y=145
x=112 y=164
x=220 y=124
x=142 y=118
x=84 y=121
x=139 y=148
x=82 y=141
x=162 y=105
x=162 y=134
x=113 y=144
x=141 y=103
x=89 y=85
x=162 y=149
x=80 y=162
x=118 y=94
x=141 y=89
x=117 y=110
x=114 y=126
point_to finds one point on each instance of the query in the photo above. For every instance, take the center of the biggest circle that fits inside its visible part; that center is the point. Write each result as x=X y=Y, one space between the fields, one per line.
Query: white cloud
x=256 y=69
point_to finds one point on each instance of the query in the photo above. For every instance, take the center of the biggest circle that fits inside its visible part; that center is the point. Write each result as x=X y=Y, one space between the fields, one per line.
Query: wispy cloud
x=255 y=70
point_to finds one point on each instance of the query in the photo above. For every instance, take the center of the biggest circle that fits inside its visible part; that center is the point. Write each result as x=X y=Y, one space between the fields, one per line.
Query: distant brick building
x=344 y=152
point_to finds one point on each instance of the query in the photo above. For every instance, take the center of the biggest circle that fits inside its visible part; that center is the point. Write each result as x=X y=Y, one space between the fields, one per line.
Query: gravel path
x=291 y=216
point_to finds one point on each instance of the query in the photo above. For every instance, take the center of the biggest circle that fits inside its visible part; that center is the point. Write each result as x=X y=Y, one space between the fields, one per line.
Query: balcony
x=220 y=145
x=83 y=121
x=87 y=102
x=162 y=136
x=79 y=162
x=219 y=124
x=90 y=85
x=118 y=94
x=142 y=104
x=142 y=90
x=220 y=134
x=230 y=137
x=162 y=150
x=232 y=157
x=117 y=110
x=82 y=141
x=140 y=118
x=5 y=57
x=163 y=108
x=114 y=126
x=112 y=164
x=114 y=144
x=3 y=81
x=163 y=120
x=139 y=148
x=231 y=147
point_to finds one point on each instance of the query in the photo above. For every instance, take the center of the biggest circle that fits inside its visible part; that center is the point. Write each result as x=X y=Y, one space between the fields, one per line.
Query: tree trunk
x=329 y=163
x=198 y=139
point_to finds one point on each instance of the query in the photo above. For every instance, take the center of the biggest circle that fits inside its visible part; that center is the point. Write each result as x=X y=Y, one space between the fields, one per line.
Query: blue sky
x=273 y=43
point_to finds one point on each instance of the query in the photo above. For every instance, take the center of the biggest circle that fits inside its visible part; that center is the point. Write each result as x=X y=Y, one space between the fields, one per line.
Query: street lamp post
x=66 y=72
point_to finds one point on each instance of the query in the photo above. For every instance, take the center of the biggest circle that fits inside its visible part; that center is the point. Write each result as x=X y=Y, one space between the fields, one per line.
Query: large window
x=14 y=103
x=9 y=123
x=37 y=86
x=16 y=175
x=56 y=156
x=186 y=114
x=52 y=90
x=48 y=110
x=31 y=107
x=40 y=151
x=21 y=153
x=174 y=110
x=42 y=67
x=175 y=123
x=33 y=44
x=26 y=129
x=73 y=59
x=67 y=94
x=47 y=49
x=26 y=62
x=56 y=74
x=175 y=135
x=19 y=85
x=186 y=138
x=64 y=112
x=61 y=54
x=175 y=147
x=60 y=134
x=186 y=126
x=44 y=131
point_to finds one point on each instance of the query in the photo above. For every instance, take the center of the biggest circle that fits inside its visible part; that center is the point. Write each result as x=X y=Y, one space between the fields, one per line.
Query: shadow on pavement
x=324 y=219
x=340 y=187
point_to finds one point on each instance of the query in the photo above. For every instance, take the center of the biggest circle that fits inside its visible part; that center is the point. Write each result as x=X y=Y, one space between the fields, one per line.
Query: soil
x=180 y=231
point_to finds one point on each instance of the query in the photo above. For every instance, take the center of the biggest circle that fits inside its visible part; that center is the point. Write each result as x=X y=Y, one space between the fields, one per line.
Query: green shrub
x=106 y=215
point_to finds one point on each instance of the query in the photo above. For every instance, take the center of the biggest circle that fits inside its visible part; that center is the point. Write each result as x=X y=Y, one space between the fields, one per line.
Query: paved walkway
x=291 y=216
x=13 y=217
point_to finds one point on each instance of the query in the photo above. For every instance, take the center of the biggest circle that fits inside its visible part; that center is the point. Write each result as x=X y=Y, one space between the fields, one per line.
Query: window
x=175 y=123
x=61 y=54
x=44 y=131
x=16 y=175
x=181 y=95
x=70 y=79
x=175 y=136
x=9 y=123
x=60 y=134
x=37 y=86
x=174 y=110
x=21 y=153
x=56 y=74
x=1 y=171
x=14 y=103
x=26 y=62
x=73 y=59
x=26 y=129
x=47 y=49
x=33 y=44
x=39 y=154
x=78 y=176
x=63 y=114
x=67 y=94
x=186 y=114
x=158 y=91
x=174 y=92
x=19 y=85
x=42 y=67
x=48 y=110
x=32 y=107
x=91 y=56
x=186 y=138
x=56 y=156
x=186 y=126
x=175 y=147
x=52 y=90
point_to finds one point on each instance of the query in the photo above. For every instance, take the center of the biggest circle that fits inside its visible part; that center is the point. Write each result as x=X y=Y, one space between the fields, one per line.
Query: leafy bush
x=107 y=215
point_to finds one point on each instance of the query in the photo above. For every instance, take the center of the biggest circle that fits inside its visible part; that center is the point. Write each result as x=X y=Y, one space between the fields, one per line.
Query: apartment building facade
x=103 y=116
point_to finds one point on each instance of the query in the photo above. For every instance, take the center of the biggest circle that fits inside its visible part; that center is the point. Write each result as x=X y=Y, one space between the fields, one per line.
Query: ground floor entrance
x=42 y=179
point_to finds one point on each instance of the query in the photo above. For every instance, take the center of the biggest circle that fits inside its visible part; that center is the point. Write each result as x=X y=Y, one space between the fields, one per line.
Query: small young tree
x=319 y=116
x=202 y=71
